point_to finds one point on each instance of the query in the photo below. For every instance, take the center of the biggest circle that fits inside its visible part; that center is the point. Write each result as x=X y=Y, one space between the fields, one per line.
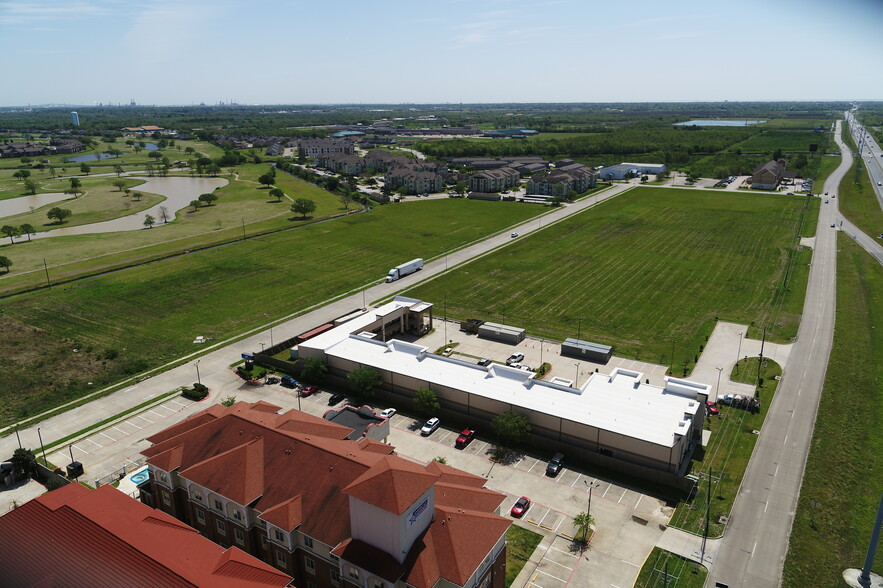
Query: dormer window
x=218 y=504
x=237 y=515
x=278 y=535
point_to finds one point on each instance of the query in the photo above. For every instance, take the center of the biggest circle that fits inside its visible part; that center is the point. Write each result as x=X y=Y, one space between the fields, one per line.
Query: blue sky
x=391 y=51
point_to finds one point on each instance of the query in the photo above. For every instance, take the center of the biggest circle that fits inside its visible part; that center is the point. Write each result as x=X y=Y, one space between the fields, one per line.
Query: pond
x=22 y=204
x=179 y=192
x=718 y=123
x=99 y=156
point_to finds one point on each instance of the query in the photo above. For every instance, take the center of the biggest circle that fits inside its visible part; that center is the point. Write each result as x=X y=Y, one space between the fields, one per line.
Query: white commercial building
x=618 y=416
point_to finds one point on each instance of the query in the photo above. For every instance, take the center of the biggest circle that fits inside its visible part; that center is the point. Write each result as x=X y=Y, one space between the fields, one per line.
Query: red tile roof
x=237 y=474
x=76 y=537
x=393 y=484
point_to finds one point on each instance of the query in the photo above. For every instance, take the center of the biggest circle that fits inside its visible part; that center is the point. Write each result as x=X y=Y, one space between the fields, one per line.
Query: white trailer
x=400 y=271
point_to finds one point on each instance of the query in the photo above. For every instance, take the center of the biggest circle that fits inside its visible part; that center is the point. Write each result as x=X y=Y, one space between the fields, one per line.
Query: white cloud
x=23 y=13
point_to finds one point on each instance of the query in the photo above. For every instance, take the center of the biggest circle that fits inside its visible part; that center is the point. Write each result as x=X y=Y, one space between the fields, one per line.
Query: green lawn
x=520 y=545
x=150 y=314
x=788 y=140
x=844 y=471
x=681 y=573
x=652 y=266
x=858 y=202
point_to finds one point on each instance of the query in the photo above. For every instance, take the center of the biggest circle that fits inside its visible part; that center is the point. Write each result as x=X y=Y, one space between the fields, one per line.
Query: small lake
x=718 y=123
x=178 y=190
x=22 y=204
x=99 y=156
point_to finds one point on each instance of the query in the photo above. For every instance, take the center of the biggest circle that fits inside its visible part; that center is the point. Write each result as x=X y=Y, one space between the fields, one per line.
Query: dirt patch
x=39 y=370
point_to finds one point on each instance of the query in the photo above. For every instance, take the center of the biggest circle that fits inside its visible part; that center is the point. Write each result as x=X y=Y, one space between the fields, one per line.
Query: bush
x=198 y=392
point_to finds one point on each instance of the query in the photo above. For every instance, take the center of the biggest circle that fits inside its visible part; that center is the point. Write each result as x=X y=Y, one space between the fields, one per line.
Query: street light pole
x=576 y=381
x=198 y=381
x=719 y=372
x=739 y=353
x=591 y=486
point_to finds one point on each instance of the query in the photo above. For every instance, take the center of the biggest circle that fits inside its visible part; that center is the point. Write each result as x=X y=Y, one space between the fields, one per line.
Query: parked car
x=271 y=380
x=484 y=361
x=520 y=507
x=430 y=426
x=289 y=382
x=826 y=200
x=514 y=358
x=711 y=407
x=388 y=413
x=525 y=368
x=554 y=465
x=466 y=436
x=309 y=390
x=336 y=398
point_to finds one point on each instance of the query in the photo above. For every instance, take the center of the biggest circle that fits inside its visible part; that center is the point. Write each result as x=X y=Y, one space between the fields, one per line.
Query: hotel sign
x=415 y=514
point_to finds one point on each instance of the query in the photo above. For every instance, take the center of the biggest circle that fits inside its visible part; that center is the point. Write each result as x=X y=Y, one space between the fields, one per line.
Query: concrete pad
x=19 y=493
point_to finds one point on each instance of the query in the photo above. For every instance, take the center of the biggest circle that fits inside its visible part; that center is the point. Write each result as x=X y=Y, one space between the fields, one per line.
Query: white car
x=514 y=358
x=513 y=235
x=388 y=413
x=430 y=426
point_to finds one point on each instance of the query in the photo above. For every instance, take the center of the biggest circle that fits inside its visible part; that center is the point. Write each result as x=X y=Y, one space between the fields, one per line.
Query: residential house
x=768 y=175
x=291 y=490
x=77 y=537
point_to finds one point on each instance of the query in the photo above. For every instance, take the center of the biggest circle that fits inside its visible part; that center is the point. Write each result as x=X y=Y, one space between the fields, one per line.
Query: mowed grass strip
x=858 y=202
x=650 y=267
x=681 y=573
x=844 y=472
x=150 y=314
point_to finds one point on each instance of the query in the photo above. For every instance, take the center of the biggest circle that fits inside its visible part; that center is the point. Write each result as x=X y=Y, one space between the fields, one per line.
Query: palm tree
x=583 y=521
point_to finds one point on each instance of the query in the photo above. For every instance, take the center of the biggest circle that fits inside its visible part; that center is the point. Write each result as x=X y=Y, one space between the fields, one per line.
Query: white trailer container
x=400 y=271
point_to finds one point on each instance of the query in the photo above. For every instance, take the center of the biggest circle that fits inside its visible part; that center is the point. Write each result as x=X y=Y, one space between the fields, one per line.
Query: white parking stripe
x=93 y=442
x=578 y=476
x=121 y=431
x=640 y=496
x=108 y=436
x=609 y=486
x=560 y=564
x=621 y=497
x=551 y=576
x=534 y=463
x=134 y=425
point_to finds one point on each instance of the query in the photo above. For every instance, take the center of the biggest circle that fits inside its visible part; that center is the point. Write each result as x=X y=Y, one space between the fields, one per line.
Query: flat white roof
x=358 y=324
x=620 y=402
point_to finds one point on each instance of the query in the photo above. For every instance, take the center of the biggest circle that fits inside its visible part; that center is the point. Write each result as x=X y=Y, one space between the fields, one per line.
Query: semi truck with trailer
x=400 y=271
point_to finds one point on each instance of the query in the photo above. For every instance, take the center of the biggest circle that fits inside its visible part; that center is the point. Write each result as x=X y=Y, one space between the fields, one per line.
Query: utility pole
x=760 y=357
x=46 y=269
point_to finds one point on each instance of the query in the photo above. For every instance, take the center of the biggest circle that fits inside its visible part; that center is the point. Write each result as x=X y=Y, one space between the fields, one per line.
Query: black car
x=336 y=398
x=554 y=465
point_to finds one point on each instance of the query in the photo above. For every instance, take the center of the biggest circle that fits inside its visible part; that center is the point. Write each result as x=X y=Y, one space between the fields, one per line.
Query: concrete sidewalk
x=689 y=546
x=726 y=345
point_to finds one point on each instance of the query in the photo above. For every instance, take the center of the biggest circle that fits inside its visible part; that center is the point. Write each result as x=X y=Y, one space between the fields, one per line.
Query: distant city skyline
x=86 y=52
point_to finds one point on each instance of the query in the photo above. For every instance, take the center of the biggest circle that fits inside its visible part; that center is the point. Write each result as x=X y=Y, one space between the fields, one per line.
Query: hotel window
x=240 y=536
x=200 y=516
x=335 y=578
x=334 y=557
x=163 y=477
x=281 y=559
x=311 y=585
x=197 y=496
x=278 y=534
x=379 y=584
x=166 y=499
x=308 y=541
x=218 y=505
x=237 y=515
x=221 y=526
x=264 y=541
x=354 y=573
x=310 y=565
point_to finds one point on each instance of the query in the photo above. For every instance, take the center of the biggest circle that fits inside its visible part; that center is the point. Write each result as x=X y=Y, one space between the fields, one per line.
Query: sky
x=173 y=52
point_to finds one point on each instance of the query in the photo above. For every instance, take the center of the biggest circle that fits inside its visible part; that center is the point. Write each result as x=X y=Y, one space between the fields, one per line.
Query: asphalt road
x=871 y=156
x=755 y=543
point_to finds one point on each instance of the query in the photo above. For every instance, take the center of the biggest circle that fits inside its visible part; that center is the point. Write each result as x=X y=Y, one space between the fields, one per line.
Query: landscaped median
x=664 y=568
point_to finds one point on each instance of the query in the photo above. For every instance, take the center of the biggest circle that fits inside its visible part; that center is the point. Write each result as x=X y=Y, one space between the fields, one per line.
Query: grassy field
x=127 y=321
x=727 y=454
x=844 y=471
x=653 y=266
x=681 y=573
x=789 y=141
x=521 y=544
x=243 y=203
x=858 y=202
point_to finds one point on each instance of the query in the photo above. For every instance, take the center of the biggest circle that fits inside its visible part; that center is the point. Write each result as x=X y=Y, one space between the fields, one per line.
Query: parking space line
x=157 y=414
x=640 y=496
x=534 y=464
x=112 y=440
x=144 y=418
x=609 y=486
x=551 y=576
x=94 y=443
x=623 y=495
x=578 y=476
x=134 y=425
x=564 y=552
x=121 y=431
x=558 y=564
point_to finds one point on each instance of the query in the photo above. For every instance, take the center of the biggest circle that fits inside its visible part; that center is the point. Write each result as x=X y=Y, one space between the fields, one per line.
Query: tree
x=9 y=231
x=426 y=402
x=22 y=174
x=213 y=169
x=138 y=195
x=31 y=186
x=277 y=194
x=23 y=462
x=154 y=155
x=195 y=204
x=346 y=198
x=84 y=168
x=120 y=184
x=5 y=263
x=164 y=214
x=314 y=371
x=267 y=180
x=303 y=206
x=76 y=184
x=511 y=427
x=59 y=214
x=189 y=150
x=149 y=221
x=362 y=381
x=26 y=160
x=118 y=169
x=207 y=198
x=583 y=522
x=27 y=229
x=461 y=188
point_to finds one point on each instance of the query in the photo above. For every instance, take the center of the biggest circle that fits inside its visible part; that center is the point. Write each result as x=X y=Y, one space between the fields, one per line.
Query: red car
x=711 y=407
x=309 y=390
x=465 y=437
x=520 y=507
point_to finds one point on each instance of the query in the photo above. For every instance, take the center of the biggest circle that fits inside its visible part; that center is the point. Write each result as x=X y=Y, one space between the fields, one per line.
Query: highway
x=754 y=545
x=871 y=156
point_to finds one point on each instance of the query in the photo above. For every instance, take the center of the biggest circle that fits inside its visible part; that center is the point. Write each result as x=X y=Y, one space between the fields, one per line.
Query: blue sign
x=417 y=512
x=248 y=356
